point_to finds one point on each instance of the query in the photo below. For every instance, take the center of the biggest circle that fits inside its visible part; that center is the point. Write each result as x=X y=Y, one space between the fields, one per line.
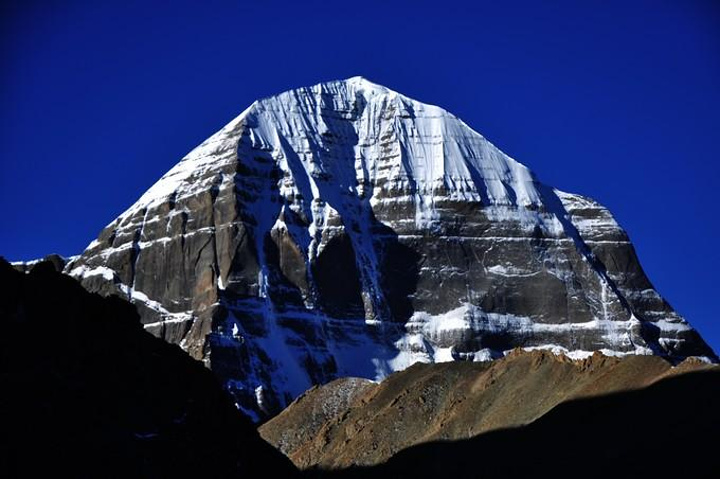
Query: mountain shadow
x=88 y=393
x=666 y=430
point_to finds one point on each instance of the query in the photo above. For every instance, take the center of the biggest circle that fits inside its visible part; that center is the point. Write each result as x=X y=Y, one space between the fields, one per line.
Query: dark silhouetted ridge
x=86 y=392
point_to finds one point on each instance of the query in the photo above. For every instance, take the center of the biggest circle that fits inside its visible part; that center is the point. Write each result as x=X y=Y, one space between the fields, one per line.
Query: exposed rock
x=309 y=414
x=347 y=230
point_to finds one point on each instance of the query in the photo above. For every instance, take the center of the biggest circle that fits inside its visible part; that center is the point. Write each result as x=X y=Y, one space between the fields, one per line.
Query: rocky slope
x=668 y=429
x=347 y=230
x=87 y=393
x=351 y=422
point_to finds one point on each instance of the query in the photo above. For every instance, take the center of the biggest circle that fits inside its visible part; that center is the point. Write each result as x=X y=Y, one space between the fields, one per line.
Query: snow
x=32 y=262
x=424 y=333
x=467 y=319
x=667 y=325
x=452 y=320
x=94 y=243
x=412 y=349
x=483 y=355
x=507 y=270
x=260 y=398
x=85 y=272
x=391 y=141
x=443 y=355
x=217 y=149
x=167 y=317
x=171 y=318
x=601 y=223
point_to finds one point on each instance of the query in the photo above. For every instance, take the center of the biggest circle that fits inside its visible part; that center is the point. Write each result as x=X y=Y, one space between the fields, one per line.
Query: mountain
x=86 y=392
x=344 y=229
x=668 y=429
x=356 y=422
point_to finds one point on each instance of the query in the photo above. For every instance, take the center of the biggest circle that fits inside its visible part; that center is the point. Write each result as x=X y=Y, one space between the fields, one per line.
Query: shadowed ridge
x=87 y=392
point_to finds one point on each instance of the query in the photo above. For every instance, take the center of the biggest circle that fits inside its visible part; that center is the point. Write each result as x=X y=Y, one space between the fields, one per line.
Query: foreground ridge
x=356 y=422
x=586 y=436
x=94 y=395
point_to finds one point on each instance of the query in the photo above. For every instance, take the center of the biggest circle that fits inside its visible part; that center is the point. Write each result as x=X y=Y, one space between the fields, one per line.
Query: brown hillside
x=356 y=422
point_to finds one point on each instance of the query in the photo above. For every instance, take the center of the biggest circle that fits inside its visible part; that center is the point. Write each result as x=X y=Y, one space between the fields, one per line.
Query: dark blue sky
x=618 y=100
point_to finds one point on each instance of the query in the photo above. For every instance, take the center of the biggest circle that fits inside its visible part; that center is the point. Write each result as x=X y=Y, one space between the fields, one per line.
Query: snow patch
x=84 y=271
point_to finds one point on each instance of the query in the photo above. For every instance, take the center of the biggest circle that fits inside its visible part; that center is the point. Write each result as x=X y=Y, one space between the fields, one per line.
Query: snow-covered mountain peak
x=360 y=83
x=344 y=229
x=364 y=137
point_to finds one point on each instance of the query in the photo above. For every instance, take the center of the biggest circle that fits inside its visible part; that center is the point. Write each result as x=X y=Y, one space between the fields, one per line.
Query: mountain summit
x=344 y=229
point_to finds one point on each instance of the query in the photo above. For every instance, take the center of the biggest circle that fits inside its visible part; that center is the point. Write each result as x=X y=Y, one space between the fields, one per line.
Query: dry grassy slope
x=355 y=422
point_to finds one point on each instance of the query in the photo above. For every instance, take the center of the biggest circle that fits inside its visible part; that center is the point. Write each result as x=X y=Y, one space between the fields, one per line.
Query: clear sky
x=617 y=100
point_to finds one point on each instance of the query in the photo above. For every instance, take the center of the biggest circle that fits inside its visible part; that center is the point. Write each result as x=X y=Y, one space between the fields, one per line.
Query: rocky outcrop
x=87 y=393
x=347 y=230
x=447 y=402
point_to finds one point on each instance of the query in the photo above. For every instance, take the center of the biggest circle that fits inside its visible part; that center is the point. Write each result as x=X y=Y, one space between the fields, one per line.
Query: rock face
x=347 y=230
x=354 y=422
